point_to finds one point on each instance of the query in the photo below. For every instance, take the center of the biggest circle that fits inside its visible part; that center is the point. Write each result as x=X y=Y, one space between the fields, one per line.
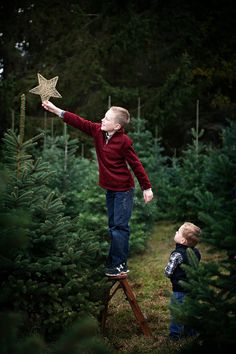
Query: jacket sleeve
x=174 y=261
x=80 y=123
x=136 y=166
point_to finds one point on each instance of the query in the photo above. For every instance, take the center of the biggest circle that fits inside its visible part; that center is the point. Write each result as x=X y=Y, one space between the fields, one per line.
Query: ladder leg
x=103 y=313
x=110 y=293
x=135 y=307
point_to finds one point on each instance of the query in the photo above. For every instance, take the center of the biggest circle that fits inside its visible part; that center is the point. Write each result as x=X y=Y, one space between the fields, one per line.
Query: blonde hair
x=191 y=233
x=122 y=115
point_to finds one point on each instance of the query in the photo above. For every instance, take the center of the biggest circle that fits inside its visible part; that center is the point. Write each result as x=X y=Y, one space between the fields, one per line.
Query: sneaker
x=122 y=269
x=125 y=268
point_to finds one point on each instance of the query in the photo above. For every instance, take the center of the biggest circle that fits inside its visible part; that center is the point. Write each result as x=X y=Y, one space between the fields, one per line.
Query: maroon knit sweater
x=113 y=156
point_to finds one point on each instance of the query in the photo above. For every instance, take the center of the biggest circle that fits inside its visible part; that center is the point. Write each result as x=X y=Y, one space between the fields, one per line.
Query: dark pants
x=177 y=330
x=119 y=208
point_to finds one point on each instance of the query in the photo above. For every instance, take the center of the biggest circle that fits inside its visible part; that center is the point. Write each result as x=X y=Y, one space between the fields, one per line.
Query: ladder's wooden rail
x=122 y=283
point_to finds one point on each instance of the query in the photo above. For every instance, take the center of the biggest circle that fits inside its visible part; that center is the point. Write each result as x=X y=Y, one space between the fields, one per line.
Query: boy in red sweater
x=114 y=151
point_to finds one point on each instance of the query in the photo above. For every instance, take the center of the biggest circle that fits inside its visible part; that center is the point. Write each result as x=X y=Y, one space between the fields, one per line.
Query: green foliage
x=210 y=305
x=211 y=286
x=184 y=183
x=217 y=205
x=57 y=264
x=175 y=93
x=12 y=340
x=193 y=260
x=175 y=53
x=143 y=215
x=82 y=337
x=78 y=186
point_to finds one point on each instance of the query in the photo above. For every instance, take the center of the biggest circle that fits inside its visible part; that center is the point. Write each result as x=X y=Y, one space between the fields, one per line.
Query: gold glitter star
x=46 y=88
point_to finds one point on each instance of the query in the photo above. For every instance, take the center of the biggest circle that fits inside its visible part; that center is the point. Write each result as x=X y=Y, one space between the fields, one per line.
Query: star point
x=46 y=88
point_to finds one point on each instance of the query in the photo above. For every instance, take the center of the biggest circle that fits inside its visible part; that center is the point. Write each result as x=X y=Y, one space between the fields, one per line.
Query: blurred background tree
x=168 y=53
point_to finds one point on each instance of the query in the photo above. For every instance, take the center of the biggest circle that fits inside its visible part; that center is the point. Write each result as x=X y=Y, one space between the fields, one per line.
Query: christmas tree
x=53 y=262
x=210 y=307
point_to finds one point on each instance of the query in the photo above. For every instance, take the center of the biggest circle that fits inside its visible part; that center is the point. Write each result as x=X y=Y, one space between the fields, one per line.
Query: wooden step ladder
x=121 y=282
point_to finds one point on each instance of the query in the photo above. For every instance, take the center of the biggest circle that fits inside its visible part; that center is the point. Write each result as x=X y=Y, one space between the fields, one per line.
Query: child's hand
x=147 y=195
x=49 y=106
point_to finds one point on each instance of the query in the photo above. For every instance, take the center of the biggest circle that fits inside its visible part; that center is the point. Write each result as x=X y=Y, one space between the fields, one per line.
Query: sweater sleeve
x=137 y=167
x=80 y=123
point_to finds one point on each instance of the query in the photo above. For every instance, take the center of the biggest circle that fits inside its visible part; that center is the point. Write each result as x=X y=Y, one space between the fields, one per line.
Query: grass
x=152 y=290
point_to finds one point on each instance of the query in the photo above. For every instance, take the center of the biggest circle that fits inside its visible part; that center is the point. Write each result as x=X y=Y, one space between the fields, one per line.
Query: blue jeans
x=177 y=330
x=119 y=208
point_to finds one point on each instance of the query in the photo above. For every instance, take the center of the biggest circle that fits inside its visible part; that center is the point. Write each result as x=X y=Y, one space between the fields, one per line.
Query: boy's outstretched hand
x=147 y=195
x=49 y=106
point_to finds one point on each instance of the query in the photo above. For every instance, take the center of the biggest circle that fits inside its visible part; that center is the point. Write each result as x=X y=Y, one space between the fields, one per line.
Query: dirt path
x=152 y=292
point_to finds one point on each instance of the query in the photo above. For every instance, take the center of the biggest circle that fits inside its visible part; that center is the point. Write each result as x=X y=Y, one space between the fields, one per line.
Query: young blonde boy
x=187 y=236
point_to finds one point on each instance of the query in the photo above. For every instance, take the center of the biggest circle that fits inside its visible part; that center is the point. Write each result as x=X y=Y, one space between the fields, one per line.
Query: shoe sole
x=123 y=272
x=117 y=275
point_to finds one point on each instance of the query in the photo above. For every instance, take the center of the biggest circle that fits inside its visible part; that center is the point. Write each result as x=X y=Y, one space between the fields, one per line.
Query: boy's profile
x=186 y=237
x=114 y=153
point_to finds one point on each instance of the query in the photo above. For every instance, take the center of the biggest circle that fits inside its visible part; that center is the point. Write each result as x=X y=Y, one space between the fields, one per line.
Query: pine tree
x=185 y=182
x=211 y=304
x=82 y=336
x=57 y=265
x=218 y=203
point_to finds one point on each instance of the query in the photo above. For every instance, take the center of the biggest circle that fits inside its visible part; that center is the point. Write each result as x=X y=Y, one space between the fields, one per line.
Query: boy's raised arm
x=49 y=106
x=72 y=119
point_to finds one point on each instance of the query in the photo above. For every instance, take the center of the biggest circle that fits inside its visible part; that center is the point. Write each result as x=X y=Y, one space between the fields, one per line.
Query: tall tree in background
x=138 y=48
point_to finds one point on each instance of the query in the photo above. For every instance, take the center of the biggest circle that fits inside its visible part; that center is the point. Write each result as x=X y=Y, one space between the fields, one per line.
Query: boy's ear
x=118 y=126
x=183 y=241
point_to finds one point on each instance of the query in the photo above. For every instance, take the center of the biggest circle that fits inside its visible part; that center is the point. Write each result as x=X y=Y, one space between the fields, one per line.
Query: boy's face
x=178 y=238
x=109 y=123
